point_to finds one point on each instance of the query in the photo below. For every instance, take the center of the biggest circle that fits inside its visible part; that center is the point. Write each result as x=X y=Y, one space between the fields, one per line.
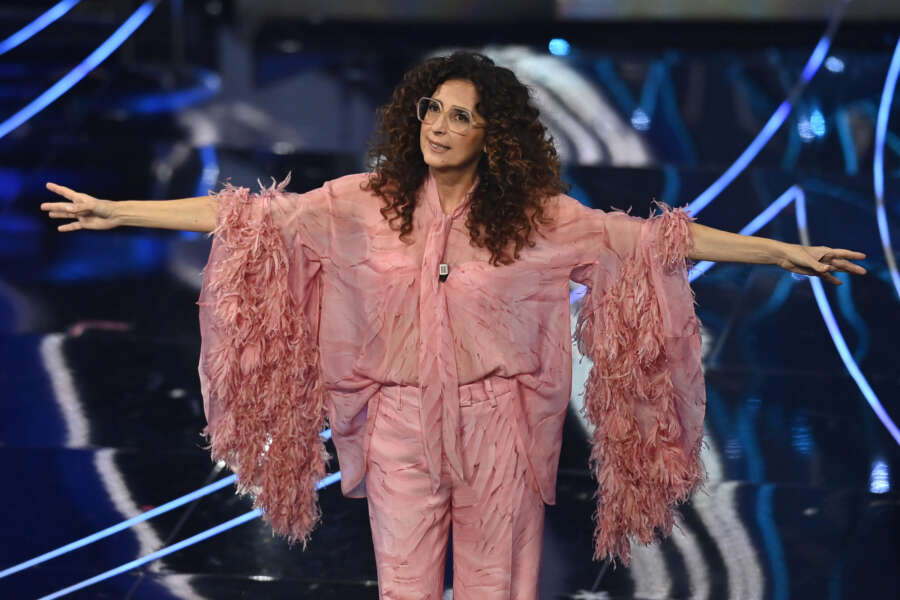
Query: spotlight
x=559 y=47
x=834 y=64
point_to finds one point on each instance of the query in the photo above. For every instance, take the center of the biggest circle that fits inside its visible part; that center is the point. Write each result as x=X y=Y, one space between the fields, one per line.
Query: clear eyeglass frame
x=460 y=120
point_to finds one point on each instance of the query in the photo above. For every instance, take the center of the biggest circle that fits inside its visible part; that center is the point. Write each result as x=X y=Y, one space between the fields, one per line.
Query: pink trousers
x=498 y=516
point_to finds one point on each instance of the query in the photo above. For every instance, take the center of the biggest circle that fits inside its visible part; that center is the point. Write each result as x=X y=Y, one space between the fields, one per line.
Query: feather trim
x=265 y=402
x=645 y=451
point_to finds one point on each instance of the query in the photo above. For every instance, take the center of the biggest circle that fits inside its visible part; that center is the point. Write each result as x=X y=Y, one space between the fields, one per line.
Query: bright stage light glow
x=559 y=47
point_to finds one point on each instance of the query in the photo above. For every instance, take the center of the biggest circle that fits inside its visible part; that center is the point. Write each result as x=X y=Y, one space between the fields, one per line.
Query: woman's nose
x=440 y=123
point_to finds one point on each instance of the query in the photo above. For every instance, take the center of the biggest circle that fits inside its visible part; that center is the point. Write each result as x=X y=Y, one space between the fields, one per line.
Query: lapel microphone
x=443 y=272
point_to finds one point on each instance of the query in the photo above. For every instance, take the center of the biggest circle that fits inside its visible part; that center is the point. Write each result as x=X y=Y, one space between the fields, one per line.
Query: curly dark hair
x=518 y=170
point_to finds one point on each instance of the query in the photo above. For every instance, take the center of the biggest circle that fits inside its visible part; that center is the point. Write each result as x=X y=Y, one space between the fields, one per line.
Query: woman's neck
x=452 y=186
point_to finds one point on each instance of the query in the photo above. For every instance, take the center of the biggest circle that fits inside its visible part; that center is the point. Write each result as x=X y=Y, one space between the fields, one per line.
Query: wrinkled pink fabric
x=496 y=516
x=311 y=303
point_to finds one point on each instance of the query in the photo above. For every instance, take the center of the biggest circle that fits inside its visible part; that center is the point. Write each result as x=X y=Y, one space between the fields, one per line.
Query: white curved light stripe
x=694 y=562
x=119 y=494
x=65 y=393
x=649 y=572
x=881 y=124
x=582 y=98
x=719 y=513
x=586 y=146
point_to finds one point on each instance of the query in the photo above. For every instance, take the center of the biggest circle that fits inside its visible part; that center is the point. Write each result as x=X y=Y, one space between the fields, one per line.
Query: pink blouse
x=311 y=303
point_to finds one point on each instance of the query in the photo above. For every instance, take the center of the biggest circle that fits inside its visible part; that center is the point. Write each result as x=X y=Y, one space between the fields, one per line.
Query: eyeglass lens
x=430 y=110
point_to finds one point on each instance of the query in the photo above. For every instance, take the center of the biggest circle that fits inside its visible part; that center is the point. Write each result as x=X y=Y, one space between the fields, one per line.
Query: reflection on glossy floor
x=101 y=408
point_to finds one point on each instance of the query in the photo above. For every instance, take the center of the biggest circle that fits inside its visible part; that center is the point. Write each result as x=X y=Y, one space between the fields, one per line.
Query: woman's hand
x=90 y=212
x=819 y=261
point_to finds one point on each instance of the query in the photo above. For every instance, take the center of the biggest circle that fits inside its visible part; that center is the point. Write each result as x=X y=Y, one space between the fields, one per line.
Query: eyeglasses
x=460 y=120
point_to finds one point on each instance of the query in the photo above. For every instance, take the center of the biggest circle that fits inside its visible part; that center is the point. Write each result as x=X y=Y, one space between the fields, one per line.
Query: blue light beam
x=881 y=125
x=758 y=222
x=120 y=526
x=776 y=120
x=171 y=505
x=795 y=194
x=81 y=70
x=36 y=26
x=836 y=335
x=212 y=531
x=158 y=554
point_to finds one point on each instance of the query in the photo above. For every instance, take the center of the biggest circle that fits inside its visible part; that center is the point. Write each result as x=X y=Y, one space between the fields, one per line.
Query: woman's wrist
x=778 y=250
x=118 y=214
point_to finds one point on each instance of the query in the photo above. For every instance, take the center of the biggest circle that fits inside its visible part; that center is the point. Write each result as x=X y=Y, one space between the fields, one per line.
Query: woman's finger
x=831 y=278
x=826 y=275
x=61 y=190
x=850 y=267
x=73 y=226
x=843 y=253
x=66 y=210
x=57 y=206
x=850 y=253
x=802 y=270
x=843 y=263
x=69 y=193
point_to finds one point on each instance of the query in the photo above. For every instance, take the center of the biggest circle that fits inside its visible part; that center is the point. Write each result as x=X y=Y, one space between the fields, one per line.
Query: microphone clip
x=443 y=272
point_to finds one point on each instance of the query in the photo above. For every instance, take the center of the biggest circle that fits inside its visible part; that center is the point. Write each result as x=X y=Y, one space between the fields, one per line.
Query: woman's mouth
x=437 y=147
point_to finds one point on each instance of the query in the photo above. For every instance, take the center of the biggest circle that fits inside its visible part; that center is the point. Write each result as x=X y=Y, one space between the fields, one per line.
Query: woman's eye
x=461 y=116
x=433 y=107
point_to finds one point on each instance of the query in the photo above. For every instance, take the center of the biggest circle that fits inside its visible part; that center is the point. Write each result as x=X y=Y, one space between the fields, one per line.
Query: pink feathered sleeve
x=258 y=368
x=645 y=394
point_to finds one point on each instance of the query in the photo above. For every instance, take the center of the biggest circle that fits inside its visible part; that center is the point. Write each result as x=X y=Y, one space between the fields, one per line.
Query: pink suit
x=312 y=306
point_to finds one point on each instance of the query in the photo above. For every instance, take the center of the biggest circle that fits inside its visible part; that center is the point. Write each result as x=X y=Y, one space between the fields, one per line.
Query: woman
x=424 y=309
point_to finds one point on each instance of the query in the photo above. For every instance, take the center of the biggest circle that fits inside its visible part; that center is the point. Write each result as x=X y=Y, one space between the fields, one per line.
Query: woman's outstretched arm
x=186 y=214
x=723 y=246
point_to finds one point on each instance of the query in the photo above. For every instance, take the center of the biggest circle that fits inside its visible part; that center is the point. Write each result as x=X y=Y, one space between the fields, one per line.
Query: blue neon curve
x=164 y=508
x=758 y=222
x=248 y=516
x=81 y=70
x=881 y=123
x=153 y=556
x=836 y=335
x=795 y=194
x=746 y=157
x=37 y=25
x=119 y=526
x=816 y=58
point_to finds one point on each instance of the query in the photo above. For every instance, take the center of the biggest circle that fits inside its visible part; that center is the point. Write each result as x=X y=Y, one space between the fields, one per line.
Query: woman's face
x=446 y=149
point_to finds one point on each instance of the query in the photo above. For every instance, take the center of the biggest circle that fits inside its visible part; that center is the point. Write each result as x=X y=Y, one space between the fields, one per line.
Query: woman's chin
x=437 y=162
